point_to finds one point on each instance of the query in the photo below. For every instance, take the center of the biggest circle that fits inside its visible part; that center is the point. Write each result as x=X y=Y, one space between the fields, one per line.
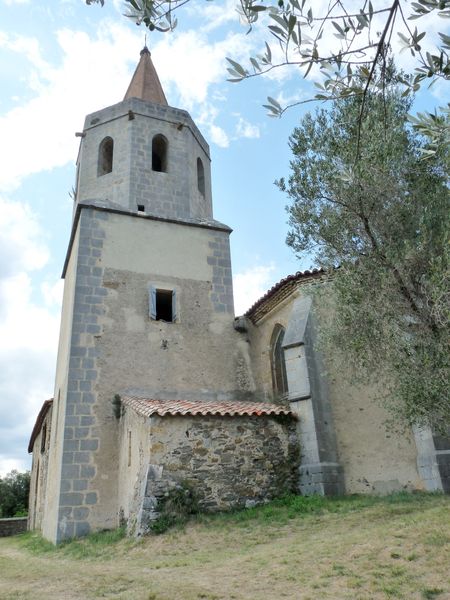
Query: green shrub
x=175 y=508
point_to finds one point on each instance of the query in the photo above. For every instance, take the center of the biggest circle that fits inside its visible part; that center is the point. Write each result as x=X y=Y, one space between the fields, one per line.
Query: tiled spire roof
x=145 y=83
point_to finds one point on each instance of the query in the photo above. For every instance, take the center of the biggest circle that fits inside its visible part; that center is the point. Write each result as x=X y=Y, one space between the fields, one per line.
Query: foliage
x=175 y=508
x=14 y=491
x=292 y=506
x=385 y=221
x=364 y=545
x=298 y=35
x=118 y=408
x=100 y=544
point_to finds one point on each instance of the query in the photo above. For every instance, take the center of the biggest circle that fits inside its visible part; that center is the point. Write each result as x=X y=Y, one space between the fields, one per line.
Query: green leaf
x=255 y=64
x=291 y=23
x=274 y=102
x=237 y=67
x=338 y=27
x=279 y=20
x=277 y=32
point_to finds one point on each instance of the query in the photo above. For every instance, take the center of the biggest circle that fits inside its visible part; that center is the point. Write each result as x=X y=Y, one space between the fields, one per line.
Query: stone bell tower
x=148 y=303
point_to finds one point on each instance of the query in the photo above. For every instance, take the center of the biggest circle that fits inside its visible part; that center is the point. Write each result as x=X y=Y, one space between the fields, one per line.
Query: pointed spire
x=145 y=83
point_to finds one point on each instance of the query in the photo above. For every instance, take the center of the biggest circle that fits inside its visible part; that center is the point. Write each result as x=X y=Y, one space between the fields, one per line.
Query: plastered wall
x=373 y=459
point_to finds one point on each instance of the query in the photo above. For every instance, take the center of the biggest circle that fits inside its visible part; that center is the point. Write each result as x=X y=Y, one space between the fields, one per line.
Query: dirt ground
x=399 y=550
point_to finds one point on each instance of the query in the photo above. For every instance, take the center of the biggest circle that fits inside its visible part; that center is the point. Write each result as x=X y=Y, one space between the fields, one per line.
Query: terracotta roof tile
x=279 y=292
x=148 y=407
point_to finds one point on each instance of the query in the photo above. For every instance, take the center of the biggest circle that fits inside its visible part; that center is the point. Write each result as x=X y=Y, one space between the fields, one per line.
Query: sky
x=60 y=60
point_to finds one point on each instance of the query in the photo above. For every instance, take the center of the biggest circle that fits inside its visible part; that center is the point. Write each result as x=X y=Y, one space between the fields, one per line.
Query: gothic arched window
x=159 y=154
x=279 y=377
x=200 y=177
x=105 y=156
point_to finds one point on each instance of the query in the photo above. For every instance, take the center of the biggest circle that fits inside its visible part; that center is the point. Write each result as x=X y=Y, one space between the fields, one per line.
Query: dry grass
x=398 y=547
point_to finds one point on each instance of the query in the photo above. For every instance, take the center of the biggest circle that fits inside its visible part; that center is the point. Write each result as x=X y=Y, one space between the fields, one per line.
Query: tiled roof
x=279 y=292
x=148 y=407
x=38 y=425
x=145 y=82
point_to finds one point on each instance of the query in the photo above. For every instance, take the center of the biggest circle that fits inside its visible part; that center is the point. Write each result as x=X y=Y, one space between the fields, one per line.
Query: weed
x=437 y=539
x=118 y=408
x=35 y=543
x=175 y=508
x=94 y=545
x=430 y=593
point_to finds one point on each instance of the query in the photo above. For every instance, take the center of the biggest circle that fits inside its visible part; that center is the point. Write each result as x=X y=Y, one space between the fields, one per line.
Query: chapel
x=158 y=385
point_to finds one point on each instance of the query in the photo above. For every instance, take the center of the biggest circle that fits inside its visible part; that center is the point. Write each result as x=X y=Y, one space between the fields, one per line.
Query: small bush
x=175 y=508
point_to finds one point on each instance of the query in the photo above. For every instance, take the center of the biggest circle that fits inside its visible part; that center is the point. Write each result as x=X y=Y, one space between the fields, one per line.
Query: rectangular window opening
x=141 y=208
x=162 y=305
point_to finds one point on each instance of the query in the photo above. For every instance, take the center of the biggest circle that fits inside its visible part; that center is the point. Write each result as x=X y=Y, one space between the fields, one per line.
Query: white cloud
x=39 y=134
x=219 y=136
x=191 y=63
x=20 y=247
x=217 y=14
x=246 y=129
x=28 y=332
x=52 y=293
x=250 y=284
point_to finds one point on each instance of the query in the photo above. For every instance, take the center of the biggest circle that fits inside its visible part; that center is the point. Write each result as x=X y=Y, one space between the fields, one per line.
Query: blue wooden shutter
x=174 y=305
x=152 y=302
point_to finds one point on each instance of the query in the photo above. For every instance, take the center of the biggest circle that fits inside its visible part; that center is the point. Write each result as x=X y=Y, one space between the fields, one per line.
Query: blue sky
x=60 y=60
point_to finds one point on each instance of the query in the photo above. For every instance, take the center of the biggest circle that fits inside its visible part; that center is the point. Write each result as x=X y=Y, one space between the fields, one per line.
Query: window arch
x=200 y=177
x=278 y=364
x=159 y=154
x=105 y=156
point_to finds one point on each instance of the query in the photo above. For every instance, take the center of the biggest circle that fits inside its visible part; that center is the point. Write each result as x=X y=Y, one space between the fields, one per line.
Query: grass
x=361 y=548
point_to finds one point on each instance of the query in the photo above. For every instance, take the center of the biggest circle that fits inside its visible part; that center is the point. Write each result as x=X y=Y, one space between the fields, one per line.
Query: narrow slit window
x=200 y=177
x=43 y=438
x=105 y=156
x=279 y=376
x=159 y=154
x=162 y=305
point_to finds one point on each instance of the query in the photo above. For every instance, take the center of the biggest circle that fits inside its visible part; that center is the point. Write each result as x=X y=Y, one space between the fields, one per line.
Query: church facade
x=157 y=384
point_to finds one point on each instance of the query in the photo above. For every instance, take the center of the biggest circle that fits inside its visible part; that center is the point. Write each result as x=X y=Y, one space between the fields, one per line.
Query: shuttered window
x=162 y=305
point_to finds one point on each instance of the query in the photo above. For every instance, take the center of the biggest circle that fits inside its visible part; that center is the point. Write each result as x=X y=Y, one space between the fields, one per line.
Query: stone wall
x=228 y=461
x=39 y=473
x=132 y=182
x=13 y=526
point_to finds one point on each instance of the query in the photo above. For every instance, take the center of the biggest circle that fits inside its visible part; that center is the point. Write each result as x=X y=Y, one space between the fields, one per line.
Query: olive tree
x=300 y=31
x=380 y=225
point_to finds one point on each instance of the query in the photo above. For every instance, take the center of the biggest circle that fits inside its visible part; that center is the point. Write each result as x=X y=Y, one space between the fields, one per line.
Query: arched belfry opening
x=200 y=176
x=105 y=156
x=278 y=364
x=159 y=154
